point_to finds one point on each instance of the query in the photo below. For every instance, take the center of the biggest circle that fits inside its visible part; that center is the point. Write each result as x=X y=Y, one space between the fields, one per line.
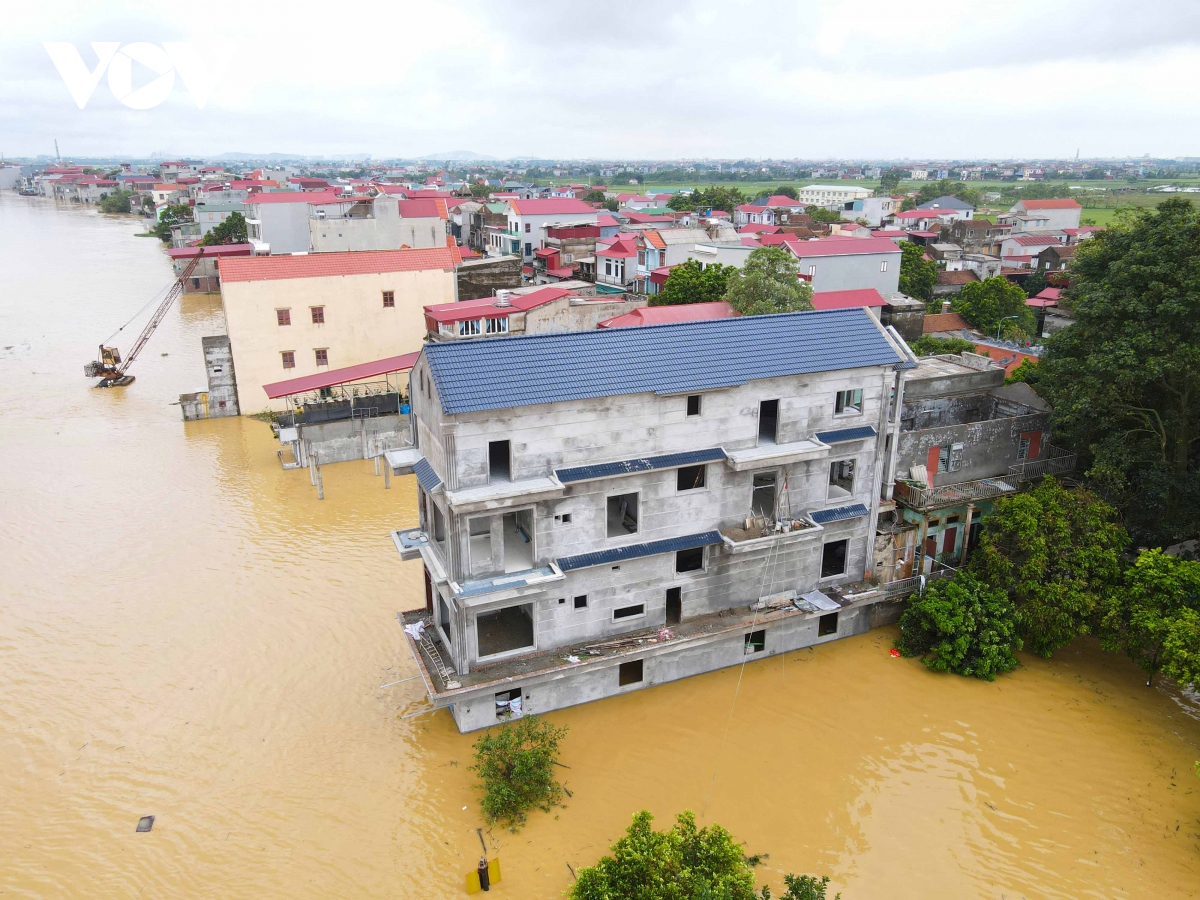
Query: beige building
x=288 y=316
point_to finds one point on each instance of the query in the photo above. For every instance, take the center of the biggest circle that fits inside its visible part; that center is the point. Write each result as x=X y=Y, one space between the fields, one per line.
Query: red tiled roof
x=847 y=299
x=999 y=353
x=550 y=206
x=359 y=372
x=654 y=239
x=1050 y=204
x=667 y=315
x=331 y=265
x=938 y=322
x=843 y=246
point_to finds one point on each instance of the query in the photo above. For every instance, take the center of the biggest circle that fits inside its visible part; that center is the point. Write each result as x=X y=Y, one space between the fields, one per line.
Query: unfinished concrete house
x=606 y=510
x=965 y=440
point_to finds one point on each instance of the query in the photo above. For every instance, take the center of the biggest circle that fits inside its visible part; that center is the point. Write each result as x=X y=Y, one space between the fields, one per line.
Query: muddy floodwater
x=187 y=632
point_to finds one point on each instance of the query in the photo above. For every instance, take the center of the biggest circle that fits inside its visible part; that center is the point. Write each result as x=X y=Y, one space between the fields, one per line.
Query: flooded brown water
x=186 y=631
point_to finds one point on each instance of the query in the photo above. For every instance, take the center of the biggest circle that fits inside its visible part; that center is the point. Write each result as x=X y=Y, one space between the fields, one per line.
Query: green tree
x=961 y=625
x=680 y=863
x=116 y=202
x=1026 y=373
x=1034 y=284
x=515 y=765
x=612 y=204
x=688 y=282
x=594 y=197
x=928 y=345
x=1181 y=650
x=1124 y=380
x=712 y=197
x=918 y=275
x=785 y=190
x=1145 y=610
x=820 y=214
x=768 y=283
x=231 y=231
x=480 y=191
x=172 y=215
x=803 y=887
x=1056 y=552
x=889 y=180
x=985 y=303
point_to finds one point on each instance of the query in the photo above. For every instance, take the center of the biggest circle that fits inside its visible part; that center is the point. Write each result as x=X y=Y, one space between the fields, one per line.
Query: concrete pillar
x=967 y=535
x=920 y=570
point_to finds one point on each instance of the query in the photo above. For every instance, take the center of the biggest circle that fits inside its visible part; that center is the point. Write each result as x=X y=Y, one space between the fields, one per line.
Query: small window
x=564 y=519
x=812 y=270
x=389 y=299
x=318 y=315
x=883 y=266
x=468 y=329
x=581 y=601
x=841 y=479
x=497 y=326
x=629 y=673
x=289 y=359
x=689 y=478
x=508 y=703
x=762 y=495
x=322 y=356
x=833 y=558
x=283 y=316
x=528 y=227
x=693 y=404
x=622 y=515
x=827 y=624
x=848 y=402
x=622 y=612
x=756 y=641
x=499 y=461
x=690 y=560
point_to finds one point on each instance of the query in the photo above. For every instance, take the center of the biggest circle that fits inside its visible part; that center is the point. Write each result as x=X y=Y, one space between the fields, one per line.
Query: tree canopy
x=918 y=275
x=594 y=197
x=768 y=283
x=689 y=282
x=1124 y=380
x=172 y=215
x=928 y=345
x=116 y=202
x=515 y=765
x=820 y=214
x=986 y=303
x=714 y=197
x=231 y=231
x=1055 y=552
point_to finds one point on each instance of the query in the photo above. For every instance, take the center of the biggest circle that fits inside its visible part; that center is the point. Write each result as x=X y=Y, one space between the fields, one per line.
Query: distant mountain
x=460 y=155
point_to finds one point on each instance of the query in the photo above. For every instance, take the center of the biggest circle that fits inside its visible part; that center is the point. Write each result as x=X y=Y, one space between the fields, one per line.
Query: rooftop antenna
x=57 y=155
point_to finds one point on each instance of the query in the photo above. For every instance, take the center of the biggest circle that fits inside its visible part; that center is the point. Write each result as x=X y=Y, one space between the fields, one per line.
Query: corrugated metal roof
x=643 y=464
x=845 y=434
x=507 y=372
x=824 y=516
x=427 y=478
x=636 y=551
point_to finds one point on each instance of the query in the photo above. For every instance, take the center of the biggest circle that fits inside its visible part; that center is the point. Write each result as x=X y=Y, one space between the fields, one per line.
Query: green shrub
x=515 y=765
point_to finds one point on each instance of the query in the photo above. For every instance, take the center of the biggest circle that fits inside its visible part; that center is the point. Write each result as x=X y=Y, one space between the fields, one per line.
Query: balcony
x=1056 y=462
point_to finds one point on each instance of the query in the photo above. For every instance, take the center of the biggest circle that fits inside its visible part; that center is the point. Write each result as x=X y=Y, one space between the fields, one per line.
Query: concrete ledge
x=774 y=454
x=503 y=494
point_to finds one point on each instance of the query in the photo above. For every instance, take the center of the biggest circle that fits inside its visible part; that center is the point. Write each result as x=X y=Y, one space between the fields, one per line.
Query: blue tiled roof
x=634 y=551
x=825 y=516
x=845 y=434
x=644 y=464
x=426 y=476
x=505 y=372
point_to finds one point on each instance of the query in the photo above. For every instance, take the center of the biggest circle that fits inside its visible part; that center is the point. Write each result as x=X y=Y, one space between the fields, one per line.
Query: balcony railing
x=914 y=584
x=1056 y=462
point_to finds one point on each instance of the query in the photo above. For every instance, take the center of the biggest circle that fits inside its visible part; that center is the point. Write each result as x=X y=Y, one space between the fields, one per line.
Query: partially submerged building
x=605 y=510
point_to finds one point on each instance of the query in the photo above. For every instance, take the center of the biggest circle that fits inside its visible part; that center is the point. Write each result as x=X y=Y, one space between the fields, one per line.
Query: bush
x=803 y=887
x=985 y=304
x=928 y=345
x=961 y=625
x=515 y=764
x=116 y=202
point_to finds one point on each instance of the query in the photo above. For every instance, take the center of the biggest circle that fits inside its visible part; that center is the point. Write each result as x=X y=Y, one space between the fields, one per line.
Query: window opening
x=827 y=624
x=756 y=641
x=833 y=558
x=768 y=421
x=622 y=514
x=690 y=478
x=691 y=560
x=629 y=673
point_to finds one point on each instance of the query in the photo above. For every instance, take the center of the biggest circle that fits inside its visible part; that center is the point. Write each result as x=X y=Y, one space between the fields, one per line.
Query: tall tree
x=1142 y=613
x=918 y=275
x=688 y=282
x=1056 y=552
x=768 y=283
x=1124 y=380
x=231 y=231
x=985 y=304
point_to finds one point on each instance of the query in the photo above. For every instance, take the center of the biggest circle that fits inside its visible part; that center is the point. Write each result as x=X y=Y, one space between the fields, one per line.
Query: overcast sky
x=614 y=79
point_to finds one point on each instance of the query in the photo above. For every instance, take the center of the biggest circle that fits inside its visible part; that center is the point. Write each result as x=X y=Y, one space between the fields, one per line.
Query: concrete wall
x=570 y=314
x=847 y=273
x=383 y=230
x=479 y=278
x=283 y=225
x=357 y=328
x=989 y=447
x=349 y=439
x=221 y=397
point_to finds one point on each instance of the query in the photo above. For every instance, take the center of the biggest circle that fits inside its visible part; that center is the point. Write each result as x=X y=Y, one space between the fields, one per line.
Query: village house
x=710 y=485
x=205 y=276
x=1055 y=214
x=872 y=210
x=1020 y=249
x=528 y=220
x=965 y=440
x=831 y=196
x=1055 y=258
x=962 y=209
x=568 y=306
x=382 y=222
x=848 y=263
x=288 y=316
x=975 y=235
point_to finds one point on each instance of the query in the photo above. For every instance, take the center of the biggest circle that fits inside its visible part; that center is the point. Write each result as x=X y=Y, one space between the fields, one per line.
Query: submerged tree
x=515 y=765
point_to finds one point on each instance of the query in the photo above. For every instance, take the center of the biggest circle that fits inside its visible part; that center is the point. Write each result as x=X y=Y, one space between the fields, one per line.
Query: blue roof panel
x=635 y=551
x=845 y=434
x=825 y=516
x=506 y=372
x=644 y=464
x=426 y=476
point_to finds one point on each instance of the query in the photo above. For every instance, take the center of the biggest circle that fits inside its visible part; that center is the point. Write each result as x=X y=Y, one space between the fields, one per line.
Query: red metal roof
x=1050 y=293
x=618 y=248
x=294 y=197
x=661 y=274
x=345 y=375
x=427 y=208
x=546 y=252
x=751 y=228
x=1050 y=204
x=641 y=218
x=486 y=306
x=842 y=246
x=924 y=213
x=606 y=219
x=1034 y=240
x=550 y=206
x=847 y=299
x=667 y=315
x=329 y=265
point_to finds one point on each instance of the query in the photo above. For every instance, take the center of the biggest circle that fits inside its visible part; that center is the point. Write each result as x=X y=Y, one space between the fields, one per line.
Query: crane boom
x=109 y=368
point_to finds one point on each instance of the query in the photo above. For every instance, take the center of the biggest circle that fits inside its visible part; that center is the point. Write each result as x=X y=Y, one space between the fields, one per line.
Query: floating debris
x=145 y=823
